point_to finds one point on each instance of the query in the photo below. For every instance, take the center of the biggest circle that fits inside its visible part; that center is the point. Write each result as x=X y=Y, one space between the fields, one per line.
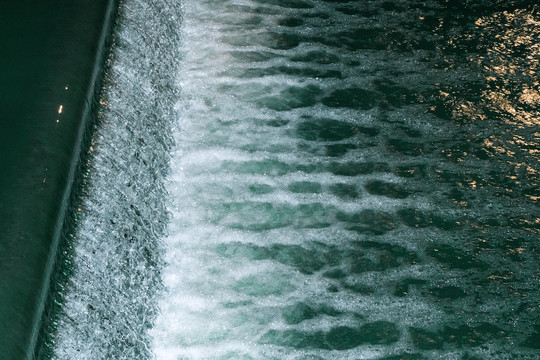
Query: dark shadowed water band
x=50 y=63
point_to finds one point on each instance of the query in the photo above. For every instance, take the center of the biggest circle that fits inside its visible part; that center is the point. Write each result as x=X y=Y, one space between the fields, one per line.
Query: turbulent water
x=348 y=184
x=350 y=180
x=115 y=255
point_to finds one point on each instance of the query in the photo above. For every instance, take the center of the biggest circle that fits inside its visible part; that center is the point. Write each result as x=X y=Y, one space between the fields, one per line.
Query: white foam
x=110 y=299
x=219 y=305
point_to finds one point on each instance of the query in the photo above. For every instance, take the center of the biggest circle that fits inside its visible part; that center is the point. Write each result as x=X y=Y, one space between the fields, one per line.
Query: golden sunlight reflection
x=511 y=66
x=512 y=86
x=502 y=107
x=60 y=109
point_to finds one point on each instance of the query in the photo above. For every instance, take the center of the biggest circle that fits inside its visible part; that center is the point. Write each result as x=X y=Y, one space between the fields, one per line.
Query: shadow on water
x=64 y=263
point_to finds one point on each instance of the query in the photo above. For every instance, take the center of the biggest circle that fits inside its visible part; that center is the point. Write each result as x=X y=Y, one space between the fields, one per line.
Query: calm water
x=309 y=179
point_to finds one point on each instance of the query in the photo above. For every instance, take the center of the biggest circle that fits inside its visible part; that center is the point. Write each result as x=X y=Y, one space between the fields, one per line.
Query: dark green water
x=49 y=62
x=350 y=180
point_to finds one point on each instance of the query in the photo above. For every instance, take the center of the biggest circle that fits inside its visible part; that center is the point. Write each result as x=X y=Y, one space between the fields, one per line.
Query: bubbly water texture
x=350 y=180
x=353 y=180
x=109 y=302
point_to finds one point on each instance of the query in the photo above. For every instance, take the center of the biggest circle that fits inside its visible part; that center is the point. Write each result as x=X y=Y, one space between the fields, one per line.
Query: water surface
x=349 y=180
x=353 y=180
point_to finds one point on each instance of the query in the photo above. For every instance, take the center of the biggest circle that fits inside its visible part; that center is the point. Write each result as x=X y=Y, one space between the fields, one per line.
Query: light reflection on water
x=502 y=108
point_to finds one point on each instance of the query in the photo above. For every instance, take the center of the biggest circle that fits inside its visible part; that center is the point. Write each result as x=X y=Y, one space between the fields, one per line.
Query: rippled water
x=350 y=180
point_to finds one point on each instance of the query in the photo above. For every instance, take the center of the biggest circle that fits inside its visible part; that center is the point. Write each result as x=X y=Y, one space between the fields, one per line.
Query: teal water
x=353 y=180
x=343 y=180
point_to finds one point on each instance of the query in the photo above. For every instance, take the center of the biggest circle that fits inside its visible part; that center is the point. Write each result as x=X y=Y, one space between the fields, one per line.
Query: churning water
x=115 y=261
x=349 y=180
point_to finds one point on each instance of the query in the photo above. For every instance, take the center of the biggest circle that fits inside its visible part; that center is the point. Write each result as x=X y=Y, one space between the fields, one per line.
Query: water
x=114 y=259
x=51 y=56
x=335 y=192
x=349 y=180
